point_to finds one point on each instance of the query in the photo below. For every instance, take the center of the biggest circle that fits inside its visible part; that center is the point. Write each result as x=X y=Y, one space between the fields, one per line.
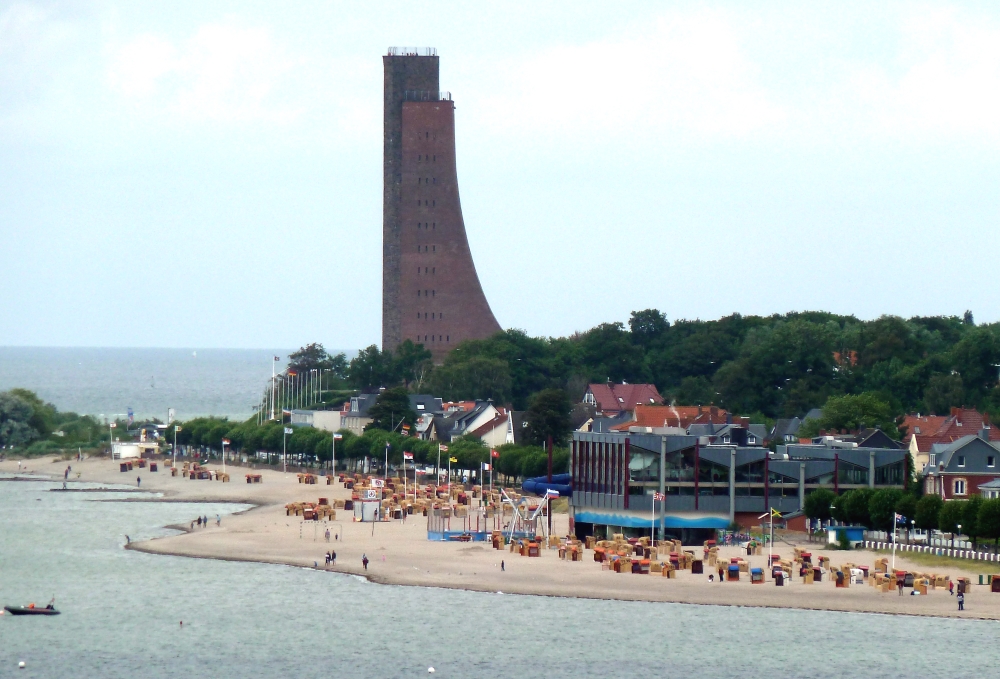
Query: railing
x=938 y=551
x=413 y=52
x=426 y=95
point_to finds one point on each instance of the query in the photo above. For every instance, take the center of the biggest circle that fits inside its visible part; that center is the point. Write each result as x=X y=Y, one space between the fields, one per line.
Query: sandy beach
x=400 y=553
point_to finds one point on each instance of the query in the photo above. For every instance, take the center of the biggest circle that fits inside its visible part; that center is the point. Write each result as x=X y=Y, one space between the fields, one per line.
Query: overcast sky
x=209 y=174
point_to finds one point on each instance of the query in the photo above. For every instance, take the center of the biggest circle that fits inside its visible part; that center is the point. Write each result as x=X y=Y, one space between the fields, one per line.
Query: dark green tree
x=310 y=357
x=928 y=510
x=882 y=508
x=15 y=417
x=970 y=518
x=548 y=415
x=372 y=368
x=390 y=409
x=943 y=392
x=412 y=363
x=853 y=412
x=818 y=503
x=988 y=521
x=857 y=507
x=951 y=516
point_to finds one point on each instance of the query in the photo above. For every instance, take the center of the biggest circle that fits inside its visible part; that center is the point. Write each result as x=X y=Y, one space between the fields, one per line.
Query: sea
x=121 y=614
x=110 y=381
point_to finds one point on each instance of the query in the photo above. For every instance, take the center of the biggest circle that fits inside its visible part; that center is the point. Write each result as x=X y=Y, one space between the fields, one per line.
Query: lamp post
x=273 y=383
x=953 y=537
x=284 y=445
x=176 y=429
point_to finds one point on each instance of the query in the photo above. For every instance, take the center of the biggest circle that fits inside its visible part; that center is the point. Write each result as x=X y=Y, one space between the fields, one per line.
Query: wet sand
x=400 y=553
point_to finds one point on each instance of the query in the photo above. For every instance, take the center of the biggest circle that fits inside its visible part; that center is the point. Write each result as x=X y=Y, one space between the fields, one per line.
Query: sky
x=193 y=174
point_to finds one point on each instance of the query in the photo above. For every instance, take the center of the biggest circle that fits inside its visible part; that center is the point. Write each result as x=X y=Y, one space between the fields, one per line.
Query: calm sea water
x=94 y=381
x=121 y=611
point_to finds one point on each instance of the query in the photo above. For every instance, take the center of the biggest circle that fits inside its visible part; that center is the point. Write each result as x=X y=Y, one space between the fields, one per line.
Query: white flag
x=288 y=430
x=486 y=467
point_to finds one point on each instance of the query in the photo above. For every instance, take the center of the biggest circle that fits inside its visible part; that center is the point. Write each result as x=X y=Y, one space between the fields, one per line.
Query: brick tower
x=430 y=291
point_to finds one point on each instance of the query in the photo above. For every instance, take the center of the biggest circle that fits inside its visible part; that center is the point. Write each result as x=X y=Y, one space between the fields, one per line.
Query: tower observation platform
x=430 y=289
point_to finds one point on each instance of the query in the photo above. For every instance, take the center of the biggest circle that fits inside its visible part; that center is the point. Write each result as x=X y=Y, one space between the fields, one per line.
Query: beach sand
x=400 y=554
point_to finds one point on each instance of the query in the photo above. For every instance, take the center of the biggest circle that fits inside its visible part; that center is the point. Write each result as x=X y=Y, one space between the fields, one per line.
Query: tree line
x=978 y=517
x=764 y=366
x=31 y=426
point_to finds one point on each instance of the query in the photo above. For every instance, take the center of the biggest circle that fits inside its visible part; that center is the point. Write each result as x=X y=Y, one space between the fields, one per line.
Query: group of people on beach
x=203 y=521
x=331 y=558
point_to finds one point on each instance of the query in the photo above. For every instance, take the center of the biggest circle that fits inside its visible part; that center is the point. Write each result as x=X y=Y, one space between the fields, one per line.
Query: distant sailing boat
x=152 y=381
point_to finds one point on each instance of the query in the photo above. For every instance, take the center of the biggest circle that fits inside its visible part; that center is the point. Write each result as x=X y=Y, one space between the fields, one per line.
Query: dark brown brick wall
x=400 y=74
x=441 y=300
x=430 y=290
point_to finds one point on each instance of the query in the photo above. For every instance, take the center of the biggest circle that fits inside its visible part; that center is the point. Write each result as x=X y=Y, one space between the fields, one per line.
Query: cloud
x=223 y=72
x=687 y=71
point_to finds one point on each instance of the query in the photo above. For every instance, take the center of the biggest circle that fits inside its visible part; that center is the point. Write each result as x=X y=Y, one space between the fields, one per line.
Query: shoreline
x=401 y=555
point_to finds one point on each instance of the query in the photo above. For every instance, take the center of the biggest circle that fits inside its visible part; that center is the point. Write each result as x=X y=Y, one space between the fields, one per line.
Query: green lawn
x=932 y=561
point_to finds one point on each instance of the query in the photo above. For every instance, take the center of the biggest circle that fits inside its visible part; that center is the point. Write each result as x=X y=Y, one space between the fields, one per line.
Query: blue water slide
x=539 y=484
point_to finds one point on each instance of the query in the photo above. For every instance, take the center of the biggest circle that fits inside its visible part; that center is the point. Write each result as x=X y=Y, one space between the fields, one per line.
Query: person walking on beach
x=333 y=557
x=204 y=520
x=364 y=561
x=327 y=534
x=138 y=481
x=199 y=522
x=503 y=566
x=218 y=520
x=961 y=601
x=951 y=587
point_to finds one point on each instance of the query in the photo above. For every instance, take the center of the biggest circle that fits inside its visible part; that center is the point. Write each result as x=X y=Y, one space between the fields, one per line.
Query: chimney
x=984 y=434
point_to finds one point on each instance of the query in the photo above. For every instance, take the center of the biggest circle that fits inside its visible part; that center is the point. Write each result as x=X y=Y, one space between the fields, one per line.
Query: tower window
x=433 y=202
x=432 y=316
x=418 y=314
x=418 y=293
x=419 y=180
x=435 y=158
x=427 y=135
x=434 y=180
x=433 y=269
x=435 y=226
x=433 y=246
x=448 y=338
x=434 y=293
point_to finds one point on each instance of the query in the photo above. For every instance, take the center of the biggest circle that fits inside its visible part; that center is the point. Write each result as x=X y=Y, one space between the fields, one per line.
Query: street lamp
x=953 y=536
x=176 y=429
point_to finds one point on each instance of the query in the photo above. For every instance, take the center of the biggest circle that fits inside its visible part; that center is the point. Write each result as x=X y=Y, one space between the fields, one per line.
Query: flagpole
x=893 y=541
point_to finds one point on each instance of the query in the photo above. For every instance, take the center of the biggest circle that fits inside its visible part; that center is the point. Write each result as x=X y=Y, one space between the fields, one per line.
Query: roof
x=611 y=398
x=960 y=423
x=498 y=421
x=681 y=417
x=942 y=453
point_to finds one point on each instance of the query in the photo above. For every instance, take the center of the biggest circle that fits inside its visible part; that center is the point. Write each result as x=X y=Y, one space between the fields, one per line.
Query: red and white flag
x=551 y=493
x=407 y=456
x=658 y=497
x=443 y=449
x=486 y=466
x=494 y=453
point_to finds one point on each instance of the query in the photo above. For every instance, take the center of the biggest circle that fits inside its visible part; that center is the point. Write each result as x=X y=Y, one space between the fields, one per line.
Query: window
x=420 y=406
x=418 y=293
x=435 y=159
x=961 y=460
x=959 y=487
x=448 y=338
x=991 y=461
x=434 y=225
x=434 y=269
x=433 y=293
x=433 y=248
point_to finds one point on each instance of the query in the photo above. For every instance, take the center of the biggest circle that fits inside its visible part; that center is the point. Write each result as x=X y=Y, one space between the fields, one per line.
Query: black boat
x=32 y=609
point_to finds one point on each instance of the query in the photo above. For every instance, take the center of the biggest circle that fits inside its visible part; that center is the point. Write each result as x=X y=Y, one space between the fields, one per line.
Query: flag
x=551 y=493
x=113 y=425
x=171 y=415
x=131 y=417
x=337 y=437
x=494 y=453
x=288 y=430
x=453 y=459
x=277 y=358
x=900 y=518
x=486 y=467
x=407 y=456
x=225 y=442
x=292 y=373
x=178 y=428
x=286 y=412
x=443 y=449
x=775 y=513
x=658 y=497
